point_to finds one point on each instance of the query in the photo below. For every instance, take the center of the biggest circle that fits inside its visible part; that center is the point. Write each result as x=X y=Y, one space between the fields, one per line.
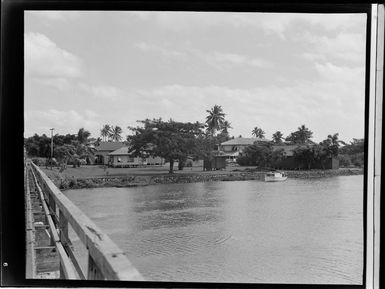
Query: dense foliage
x=170 y=140
x=260 y=154
x=352 y=154
x=306 y=155
x=69 y=148
x=301 y=136
x=179 y=141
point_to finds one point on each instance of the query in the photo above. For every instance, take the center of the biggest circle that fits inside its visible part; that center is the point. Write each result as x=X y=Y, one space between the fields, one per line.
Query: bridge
x=49 y=215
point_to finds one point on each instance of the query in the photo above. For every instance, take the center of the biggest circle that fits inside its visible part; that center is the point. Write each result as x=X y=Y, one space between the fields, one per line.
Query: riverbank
x=83 y=177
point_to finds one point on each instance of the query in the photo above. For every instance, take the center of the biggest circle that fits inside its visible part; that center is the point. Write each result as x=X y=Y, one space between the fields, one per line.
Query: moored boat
x=275 y=176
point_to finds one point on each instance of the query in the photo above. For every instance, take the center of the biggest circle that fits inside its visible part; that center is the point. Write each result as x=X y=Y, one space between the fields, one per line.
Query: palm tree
x=225 y=126
x=258 y=132
x=115 y=133
x=332 y=144
x=97 y=142
x=215 y=118
x=277 y=137
x=303 y=134
x=105 y=131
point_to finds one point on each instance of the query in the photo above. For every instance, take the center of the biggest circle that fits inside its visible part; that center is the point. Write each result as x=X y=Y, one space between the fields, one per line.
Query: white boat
x=275 y=177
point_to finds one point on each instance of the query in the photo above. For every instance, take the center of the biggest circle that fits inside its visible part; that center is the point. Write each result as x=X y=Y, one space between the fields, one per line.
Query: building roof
x=109 y=146
x=243 y=141
x=123 y=151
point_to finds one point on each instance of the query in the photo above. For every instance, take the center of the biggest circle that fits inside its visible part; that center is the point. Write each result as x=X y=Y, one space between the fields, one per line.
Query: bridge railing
x=105 y=260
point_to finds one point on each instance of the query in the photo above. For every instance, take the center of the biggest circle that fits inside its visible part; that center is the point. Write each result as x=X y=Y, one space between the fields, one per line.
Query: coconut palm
x=115 y=133
x=277 y=137
x=105 y=131
x=225 y=126
x=332 y=144
x=304 y=134
x=97 y=142
x=258 y=132
x=215 y=118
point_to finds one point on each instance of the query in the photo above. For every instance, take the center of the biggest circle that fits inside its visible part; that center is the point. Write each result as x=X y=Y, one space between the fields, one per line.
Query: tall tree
x=277 y=137
x=97 y=142
x=105 y=132
x=115 y=133
x=215 y=119
x=301 y=136
x=170 y=140
x=83 y=135
x=225 y=127
x=331 y=145
x=305 y=155
x=258 y=132
x=259 y=154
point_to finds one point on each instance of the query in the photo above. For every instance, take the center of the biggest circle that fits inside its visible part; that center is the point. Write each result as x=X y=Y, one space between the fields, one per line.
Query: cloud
x=270 y=23
x=324 y=106
x=59 y=83
x=344 y=74
x=45 y=59
x=105 y=92
x=55 y=15
x=347 y=47
x=215 y=58
x=147 y=47
x=237 y=59
x=63 y=121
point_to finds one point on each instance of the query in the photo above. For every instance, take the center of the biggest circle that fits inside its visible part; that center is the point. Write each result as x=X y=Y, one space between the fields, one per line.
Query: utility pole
x=51 y=129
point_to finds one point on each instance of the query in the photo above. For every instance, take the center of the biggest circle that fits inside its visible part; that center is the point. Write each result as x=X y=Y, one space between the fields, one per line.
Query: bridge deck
x=50 y=254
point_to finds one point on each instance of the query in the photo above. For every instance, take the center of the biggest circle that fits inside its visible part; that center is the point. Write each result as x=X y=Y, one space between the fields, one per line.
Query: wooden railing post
x=94 y=273
x=63 y=236
x=52 y=210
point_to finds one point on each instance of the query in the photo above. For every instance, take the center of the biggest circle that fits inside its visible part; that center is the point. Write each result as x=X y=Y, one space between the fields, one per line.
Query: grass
x=96 y=171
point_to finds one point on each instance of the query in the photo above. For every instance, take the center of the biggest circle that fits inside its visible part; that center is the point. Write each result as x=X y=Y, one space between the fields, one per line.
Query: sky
x=84 y=69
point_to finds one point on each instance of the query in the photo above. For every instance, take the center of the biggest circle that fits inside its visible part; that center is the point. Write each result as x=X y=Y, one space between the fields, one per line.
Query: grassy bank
x=95 y=176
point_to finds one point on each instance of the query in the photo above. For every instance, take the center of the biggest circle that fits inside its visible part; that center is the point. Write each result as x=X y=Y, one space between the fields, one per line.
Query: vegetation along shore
x=81 y=181
x=199 y=151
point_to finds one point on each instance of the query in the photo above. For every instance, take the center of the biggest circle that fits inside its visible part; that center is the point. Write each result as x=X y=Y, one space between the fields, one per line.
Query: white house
x=233 y=147
x=104 y=148
x=122 y=158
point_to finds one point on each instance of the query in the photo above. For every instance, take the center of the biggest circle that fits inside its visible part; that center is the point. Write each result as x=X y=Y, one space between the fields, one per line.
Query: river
x=297 y=231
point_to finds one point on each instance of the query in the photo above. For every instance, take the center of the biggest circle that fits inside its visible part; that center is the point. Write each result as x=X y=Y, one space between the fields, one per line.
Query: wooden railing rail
x=30 y=238
x=105 y=260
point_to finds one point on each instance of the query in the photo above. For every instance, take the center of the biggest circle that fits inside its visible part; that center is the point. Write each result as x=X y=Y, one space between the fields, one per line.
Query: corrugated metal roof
x=109 y=146
x=243 y=141
x=123 y=151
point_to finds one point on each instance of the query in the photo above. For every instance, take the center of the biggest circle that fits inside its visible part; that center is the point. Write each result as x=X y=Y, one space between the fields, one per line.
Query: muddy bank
x=65 y=183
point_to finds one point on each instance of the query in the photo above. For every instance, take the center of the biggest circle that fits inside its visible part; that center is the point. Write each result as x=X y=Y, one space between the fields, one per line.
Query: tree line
x=173 y=140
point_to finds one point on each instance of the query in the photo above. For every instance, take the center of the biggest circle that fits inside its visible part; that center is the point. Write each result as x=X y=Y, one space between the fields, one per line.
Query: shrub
x=244 y=161
x=72 y=183
x=345 y=161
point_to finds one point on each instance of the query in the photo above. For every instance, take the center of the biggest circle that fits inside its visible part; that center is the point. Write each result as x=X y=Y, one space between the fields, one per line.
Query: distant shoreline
x=239 y=174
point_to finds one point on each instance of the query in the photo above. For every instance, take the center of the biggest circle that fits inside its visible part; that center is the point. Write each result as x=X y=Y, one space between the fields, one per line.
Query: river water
x=297 y=231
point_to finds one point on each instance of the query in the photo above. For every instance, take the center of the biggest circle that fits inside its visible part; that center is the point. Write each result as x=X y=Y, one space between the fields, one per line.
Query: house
x=233 y=147
x=122 y=158
x=104 y=148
